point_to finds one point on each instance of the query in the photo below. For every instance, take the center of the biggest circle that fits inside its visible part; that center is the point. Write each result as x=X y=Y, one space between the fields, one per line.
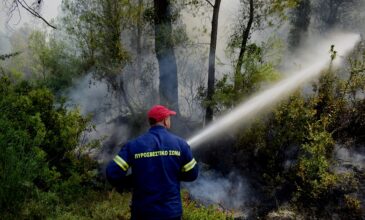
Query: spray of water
x=239 y=116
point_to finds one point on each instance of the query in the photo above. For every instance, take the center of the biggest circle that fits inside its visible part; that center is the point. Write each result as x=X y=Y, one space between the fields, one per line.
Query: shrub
x=38 y=141
x=194 y=211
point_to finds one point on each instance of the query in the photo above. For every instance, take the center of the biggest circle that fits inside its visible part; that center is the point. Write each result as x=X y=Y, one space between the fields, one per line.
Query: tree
x=211 y=65
x=259 y=13
x=43 y=58
x=245 y=36
x=293 y=149
x=96 y=29
x=55 y=63
x=24 y=64
x=300 y=21
x=164 y=47
x=250 y=68
x=139 y=36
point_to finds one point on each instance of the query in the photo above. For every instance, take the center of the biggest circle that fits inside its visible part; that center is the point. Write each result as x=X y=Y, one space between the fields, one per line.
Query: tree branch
x=12 y=10
x=33 y=12
x=9 y=55
x=209 y=3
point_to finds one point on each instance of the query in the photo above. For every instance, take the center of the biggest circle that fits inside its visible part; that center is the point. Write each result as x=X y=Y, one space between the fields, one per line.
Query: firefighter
x=159 y=160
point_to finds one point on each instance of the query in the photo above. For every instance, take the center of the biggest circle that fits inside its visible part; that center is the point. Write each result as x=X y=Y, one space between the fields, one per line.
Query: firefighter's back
x=157 y=160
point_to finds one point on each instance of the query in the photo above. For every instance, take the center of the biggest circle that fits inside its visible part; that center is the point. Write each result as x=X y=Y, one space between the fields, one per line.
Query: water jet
x=265 y=99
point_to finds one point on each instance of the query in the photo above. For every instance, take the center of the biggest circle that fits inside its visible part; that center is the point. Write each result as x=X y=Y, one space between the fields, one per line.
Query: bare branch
x=210 y=3
x=23 y=4
x=12 y=9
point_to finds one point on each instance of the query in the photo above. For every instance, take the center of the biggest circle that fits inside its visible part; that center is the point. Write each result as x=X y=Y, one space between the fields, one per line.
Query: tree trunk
x=165 y=54
x=332 y=13
x=245 y=36
x=139 y=38
x=300 y=21
x=211 y=67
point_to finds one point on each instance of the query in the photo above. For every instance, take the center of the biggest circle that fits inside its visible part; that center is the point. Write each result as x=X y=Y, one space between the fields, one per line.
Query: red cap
x=159 y=112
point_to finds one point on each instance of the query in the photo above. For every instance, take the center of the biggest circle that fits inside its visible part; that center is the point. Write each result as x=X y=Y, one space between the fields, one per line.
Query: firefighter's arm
x=189 y=170
x=116 y=171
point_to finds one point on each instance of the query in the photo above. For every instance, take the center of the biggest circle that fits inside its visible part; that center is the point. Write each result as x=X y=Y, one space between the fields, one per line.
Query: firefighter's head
x=160 y=115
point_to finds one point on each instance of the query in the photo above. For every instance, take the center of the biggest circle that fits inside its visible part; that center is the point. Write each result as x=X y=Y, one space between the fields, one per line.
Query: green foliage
x=20 y=136
x=44 y=59
x=292 y=149
x=315 y=179
x=22 y=64
x=38 y=162
x=352 y=207
x=194 y=211
x=97 y=205
x=255 y=72
x=280 y=7
x=96 y=27
x=271 y=12
x=113 y=205
x=265 y=13
x=55 y=63
x=280 y=138
x=44 y=173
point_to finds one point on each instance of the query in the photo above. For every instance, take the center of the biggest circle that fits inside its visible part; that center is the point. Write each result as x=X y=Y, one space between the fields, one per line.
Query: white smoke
x=93 y=97
x=350 y=157
x=229 y=192
x=198 y=27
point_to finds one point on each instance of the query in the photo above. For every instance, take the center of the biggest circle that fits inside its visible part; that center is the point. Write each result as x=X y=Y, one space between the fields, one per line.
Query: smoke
x=231 y=192
x=351 y=157
x=198 y=28
x=93 y=97
x=315 y=47
x=4 y=42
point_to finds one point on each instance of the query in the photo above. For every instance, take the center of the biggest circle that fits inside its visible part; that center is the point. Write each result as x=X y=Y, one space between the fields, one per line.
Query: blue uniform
x=159 y=161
